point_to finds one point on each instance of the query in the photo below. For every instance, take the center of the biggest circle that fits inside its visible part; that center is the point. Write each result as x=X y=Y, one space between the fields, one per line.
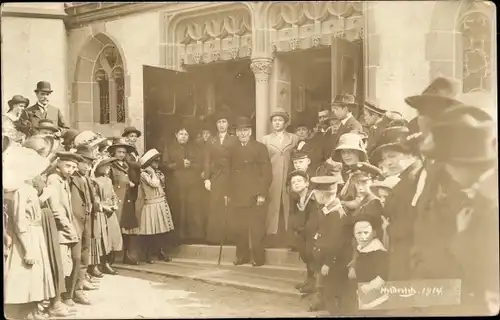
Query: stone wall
x=137 y=39
x=34 y=49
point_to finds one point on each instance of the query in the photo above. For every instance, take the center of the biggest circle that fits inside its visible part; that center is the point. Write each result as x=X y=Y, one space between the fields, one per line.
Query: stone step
x=277 y=257
x=218 y=276
x=285 y=273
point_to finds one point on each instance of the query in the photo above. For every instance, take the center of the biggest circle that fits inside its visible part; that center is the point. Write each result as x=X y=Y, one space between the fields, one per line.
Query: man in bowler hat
x=342 y=108
x=456 y=227
x=251 y=175
x=42 y=110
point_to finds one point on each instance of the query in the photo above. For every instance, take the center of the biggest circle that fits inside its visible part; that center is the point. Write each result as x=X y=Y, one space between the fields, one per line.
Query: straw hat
x=148 y=157
x=88 y=138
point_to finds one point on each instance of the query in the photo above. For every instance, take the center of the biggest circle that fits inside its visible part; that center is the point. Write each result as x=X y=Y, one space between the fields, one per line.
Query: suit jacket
x=251 y=173
x=82 y=200
x=351 y=125
x=32 y=115
x=60 y=204
x=216 y=157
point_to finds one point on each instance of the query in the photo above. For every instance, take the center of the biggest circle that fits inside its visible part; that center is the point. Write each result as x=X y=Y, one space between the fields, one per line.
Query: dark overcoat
x=216 y=168
x=251 y=173
x=184 y=189
x=401 y=214
x=442 y=251
x=33 y=114
x=119 y=174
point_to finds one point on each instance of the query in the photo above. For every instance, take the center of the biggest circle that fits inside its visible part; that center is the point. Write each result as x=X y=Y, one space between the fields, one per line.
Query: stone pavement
x=140 y=295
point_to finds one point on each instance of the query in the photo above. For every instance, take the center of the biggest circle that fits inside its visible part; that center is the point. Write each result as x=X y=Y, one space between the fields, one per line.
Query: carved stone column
x=261 y=68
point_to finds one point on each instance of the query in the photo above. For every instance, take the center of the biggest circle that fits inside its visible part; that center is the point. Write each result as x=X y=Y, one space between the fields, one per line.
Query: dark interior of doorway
x=193 y=97
x=311 y=79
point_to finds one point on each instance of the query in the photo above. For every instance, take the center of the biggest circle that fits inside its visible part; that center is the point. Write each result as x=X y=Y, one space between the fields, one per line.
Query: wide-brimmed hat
x=129 y=130
x=242 y=123
x=370 y=106
x=43 y=86
x=86 y=152
x=344 y=100
x=148 y=157
x=224 y=113
x=366 y=171
x=463 y=134
x=69 y=156
x=351 y=141
x=438 y=96
x=103 y=162
x=395 y=138
x=121 y=143
x=29 y=160
x=373 y=219
x=280 y=112
x=388 y=183
x=69 y=136
x=18 y=99
x=88 y=138
x=47 y=124
x=296 y=173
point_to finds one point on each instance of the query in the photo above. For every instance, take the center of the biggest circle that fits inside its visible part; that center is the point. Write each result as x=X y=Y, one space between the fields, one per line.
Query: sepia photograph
x=249 y=159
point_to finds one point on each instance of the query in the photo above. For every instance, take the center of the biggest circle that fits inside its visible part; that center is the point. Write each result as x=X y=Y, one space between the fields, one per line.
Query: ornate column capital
x=261 y=68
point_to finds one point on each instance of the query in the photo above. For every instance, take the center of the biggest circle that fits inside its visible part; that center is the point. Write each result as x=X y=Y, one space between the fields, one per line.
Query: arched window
x=110 y=85
x=476 y=39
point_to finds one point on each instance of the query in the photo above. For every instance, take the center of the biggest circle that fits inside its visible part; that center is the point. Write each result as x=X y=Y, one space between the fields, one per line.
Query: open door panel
x=347 y=70
x=168 y=96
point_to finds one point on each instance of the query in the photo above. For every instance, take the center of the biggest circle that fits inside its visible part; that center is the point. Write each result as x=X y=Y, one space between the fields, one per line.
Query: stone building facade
x=94 y=54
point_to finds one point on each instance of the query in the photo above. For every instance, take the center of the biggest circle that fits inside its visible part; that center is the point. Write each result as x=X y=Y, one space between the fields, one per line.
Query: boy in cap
x=302 y=162
x=330 y=245
x=60 y=203
x=302 y=207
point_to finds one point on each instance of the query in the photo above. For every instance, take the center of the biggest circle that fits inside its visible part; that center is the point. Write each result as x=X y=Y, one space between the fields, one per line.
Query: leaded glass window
x=476 y=39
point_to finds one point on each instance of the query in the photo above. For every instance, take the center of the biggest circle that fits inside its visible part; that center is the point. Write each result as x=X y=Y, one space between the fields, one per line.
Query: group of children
x=64 y=216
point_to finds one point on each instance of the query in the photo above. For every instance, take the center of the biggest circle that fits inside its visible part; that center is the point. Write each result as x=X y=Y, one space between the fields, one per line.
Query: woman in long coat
x=182 y=162
x=119 y=174
x=280 y=144
x=216 y=173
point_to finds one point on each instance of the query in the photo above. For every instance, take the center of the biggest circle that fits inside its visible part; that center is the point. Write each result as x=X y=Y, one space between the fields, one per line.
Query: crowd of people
x=363 y=203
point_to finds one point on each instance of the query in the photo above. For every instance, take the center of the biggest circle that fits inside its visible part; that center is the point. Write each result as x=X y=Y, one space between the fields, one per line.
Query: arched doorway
x=100 y=87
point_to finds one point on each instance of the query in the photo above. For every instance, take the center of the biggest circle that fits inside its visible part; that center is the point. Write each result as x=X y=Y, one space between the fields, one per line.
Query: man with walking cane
x=251 y=175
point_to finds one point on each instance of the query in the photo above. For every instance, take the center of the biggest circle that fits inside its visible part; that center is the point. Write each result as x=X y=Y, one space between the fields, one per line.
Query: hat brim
x=341 y=104
x=284 y=116
x=43 y=90
x=53 y=129
x=132 y=131
x=429 y=104
x=107 y=161
x=375 y=155
x=129 y=148
x=244 y=127
x=377 y=111
x=150 y=160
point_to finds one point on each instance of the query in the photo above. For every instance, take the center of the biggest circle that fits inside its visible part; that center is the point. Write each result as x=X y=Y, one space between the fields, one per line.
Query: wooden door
x=169 y=96
x=347 y=70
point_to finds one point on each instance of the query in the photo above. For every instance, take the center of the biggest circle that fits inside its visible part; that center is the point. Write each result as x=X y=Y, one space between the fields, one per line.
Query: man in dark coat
x=216 y=175
x=42 y=110
x=401 y=161
x=456 y=230
x=342 y=108
x=251 y=175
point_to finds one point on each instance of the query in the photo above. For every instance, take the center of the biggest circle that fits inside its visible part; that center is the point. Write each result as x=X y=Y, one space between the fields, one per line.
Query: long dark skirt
x=53 y=247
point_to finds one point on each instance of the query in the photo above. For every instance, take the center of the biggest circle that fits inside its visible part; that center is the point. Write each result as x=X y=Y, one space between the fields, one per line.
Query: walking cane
x=226 y=199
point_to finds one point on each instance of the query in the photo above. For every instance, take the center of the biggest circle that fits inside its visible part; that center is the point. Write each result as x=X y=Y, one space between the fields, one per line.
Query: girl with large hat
x=155 y=219
x=280 y=144
x=122 y=184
